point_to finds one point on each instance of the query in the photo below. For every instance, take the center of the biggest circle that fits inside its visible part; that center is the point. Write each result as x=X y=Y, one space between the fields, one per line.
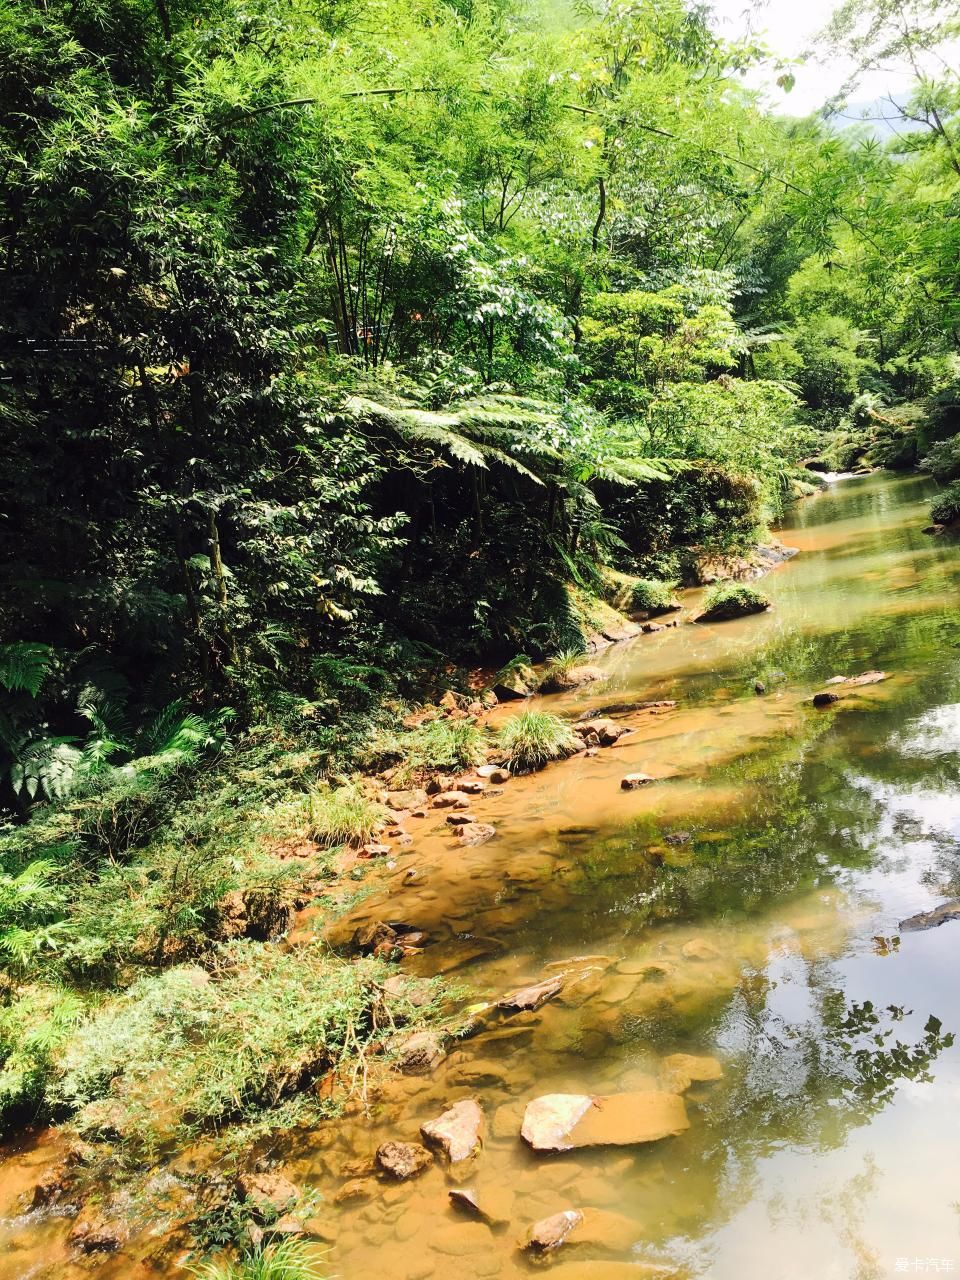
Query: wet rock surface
x=458 y=1132
x=267 y=1193
x=946 y=912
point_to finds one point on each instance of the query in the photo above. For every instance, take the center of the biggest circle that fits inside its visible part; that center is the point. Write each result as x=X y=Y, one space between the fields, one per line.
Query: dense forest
x=351 y=353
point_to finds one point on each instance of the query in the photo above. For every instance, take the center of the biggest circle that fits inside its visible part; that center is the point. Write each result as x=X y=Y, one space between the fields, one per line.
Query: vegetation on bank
x=346 y=349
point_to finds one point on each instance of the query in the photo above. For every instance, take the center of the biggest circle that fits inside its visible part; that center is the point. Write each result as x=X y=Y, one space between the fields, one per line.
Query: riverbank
x=617 y=927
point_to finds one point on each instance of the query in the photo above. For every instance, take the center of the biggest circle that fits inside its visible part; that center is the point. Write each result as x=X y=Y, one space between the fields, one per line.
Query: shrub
x=534 y=738
x=653 y=596
x=286 y=1260
x=345 y=815
x=732 y=600
x=946 y=507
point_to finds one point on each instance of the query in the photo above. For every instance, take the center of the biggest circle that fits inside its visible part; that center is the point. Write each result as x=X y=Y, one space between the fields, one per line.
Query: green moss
x=732 y=600
x=534 y=738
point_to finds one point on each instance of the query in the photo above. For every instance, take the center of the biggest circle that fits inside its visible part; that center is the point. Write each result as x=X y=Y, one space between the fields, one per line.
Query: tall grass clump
x=651 y=595
x=285 y=1260
x=732 y=600
x=534 y=738
x=345 y=815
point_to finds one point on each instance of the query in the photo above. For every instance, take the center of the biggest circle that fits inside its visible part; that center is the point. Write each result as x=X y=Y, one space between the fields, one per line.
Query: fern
x=23 y=666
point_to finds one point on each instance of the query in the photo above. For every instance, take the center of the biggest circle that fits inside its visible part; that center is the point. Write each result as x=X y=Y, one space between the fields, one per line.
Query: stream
x=744 y=907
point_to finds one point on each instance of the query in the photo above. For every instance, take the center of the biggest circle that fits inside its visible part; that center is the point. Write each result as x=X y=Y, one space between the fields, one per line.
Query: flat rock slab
x=458 y=1132
x=531 y=997
x=931 y=919
x=564 y=1121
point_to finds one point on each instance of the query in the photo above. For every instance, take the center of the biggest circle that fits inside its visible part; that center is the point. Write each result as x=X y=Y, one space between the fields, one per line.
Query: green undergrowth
x=140 y=947
x=441 y=744
x=189 y=1050
x=344 y=815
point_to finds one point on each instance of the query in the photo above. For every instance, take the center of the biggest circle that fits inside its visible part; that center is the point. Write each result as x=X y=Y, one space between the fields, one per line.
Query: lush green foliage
x=343 y=345
x=532 y=739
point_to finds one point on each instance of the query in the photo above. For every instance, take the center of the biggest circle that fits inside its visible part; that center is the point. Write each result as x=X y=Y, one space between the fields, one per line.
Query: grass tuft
x=345 y=815
x=285 y=1260
x=534 y=738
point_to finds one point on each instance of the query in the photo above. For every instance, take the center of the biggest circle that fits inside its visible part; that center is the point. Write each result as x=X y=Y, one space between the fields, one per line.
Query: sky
x=789 y=28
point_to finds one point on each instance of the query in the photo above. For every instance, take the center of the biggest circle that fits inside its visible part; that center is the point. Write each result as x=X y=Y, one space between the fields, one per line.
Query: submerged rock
x=680 y=1070
x=403 y=1160
x=94 y=1233
x=563 y=1121
x=419 y=1053
x=698 y=949
x=491 y=1206
x=267 y=1194
x=458 y=1132
x=476 y=833
x=931 y=919
x=531 y=997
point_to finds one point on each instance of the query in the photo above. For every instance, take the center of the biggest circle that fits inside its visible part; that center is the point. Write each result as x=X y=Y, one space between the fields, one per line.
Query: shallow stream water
x=768 y=940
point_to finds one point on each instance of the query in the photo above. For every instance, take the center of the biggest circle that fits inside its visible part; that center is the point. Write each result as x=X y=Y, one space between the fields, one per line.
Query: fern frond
x=23 y=666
